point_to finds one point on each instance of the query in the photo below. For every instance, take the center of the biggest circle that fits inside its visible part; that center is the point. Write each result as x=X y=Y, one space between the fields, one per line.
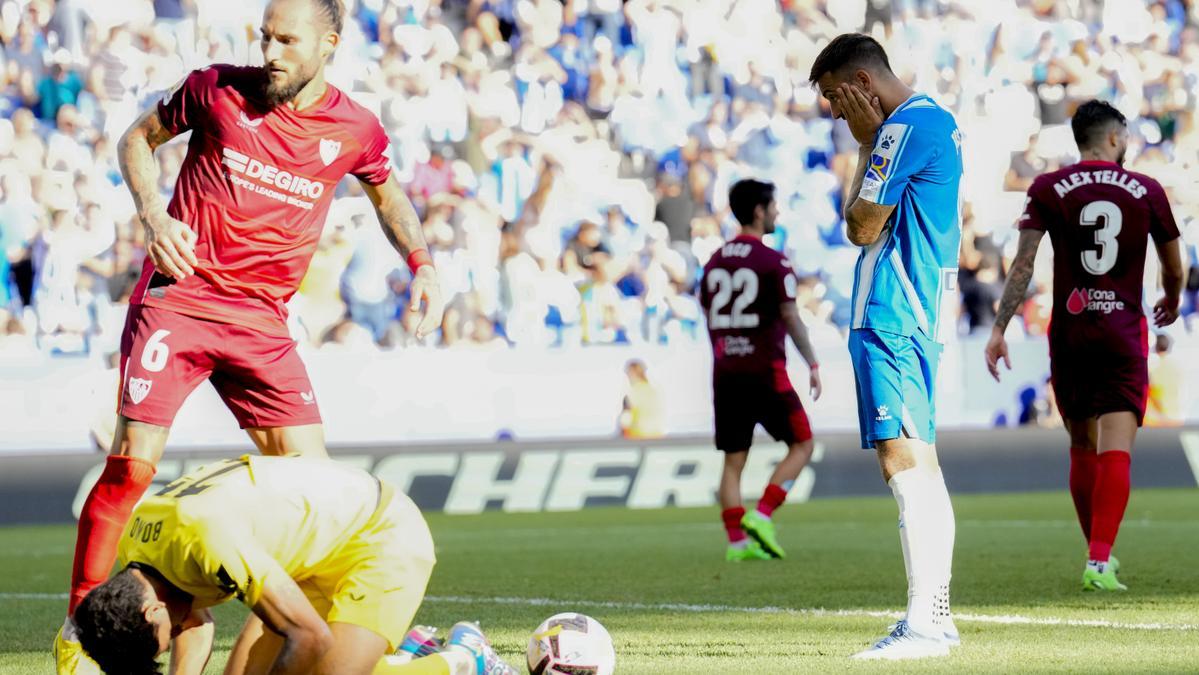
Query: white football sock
x=70 y=632
x=942 y=615
x=926 y=530
x=946 y=525
x=449 y=662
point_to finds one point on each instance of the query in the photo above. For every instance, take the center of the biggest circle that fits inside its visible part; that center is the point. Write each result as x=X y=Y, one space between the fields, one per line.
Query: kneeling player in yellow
x=332 y=562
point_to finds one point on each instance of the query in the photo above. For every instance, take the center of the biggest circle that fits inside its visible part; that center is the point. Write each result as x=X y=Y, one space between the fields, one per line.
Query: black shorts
x=1087 y=384
x=744 y=400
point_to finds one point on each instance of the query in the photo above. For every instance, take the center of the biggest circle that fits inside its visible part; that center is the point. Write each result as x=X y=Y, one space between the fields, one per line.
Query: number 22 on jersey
x=723 y=285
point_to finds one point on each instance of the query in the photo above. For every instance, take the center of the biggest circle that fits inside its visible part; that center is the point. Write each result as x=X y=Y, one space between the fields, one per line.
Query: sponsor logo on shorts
x=1093 y=300
x=308 y=397
x=884 y=414
x=139 y=389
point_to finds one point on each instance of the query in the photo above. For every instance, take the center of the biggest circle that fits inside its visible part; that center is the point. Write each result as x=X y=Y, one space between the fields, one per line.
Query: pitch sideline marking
x=1005 y=619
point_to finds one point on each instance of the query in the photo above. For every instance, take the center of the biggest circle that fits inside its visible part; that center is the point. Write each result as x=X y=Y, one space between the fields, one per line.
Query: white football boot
x=905 y=643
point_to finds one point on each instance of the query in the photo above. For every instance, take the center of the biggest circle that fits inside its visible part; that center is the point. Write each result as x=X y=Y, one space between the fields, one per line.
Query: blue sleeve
x=901 y=151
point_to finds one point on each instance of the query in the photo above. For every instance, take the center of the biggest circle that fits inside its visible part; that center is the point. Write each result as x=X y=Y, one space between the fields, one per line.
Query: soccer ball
x=571 y=644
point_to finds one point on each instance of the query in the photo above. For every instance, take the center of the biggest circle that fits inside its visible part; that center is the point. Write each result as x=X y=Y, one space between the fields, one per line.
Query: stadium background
x=570 y=163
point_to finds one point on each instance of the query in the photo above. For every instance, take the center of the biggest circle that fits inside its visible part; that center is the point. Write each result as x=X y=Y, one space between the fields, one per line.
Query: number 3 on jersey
x=743 y=282
x=1108 y=216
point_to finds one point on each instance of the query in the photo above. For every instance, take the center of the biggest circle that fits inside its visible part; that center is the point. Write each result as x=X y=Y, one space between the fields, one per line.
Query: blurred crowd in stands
x=570 y=159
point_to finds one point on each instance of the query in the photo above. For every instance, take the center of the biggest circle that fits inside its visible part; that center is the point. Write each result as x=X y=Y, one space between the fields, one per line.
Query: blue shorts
x=895 y=377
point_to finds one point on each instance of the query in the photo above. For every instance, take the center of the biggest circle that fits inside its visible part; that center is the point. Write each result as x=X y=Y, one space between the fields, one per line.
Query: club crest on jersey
x=329 y=150
x=880 y=168
x=1093 y=300
x=245 y=122
x=139 y=389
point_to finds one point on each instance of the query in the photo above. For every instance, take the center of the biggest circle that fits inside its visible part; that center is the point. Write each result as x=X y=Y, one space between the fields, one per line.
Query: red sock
x=732 y=523
x=1107 y=505
x=104 y=516
x=1083 y=466
x=772 y=498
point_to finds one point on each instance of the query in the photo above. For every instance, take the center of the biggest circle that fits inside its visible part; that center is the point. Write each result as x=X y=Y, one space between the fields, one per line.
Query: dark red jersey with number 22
x=742 y=292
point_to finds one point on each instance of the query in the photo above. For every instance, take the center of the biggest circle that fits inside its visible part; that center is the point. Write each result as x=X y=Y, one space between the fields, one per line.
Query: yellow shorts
x=378 y=579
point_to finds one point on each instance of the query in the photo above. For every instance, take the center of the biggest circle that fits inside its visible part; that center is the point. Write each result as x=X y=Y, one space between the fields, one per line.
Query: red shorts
x=166 y=355
x=744 y=400
x=1087 y=384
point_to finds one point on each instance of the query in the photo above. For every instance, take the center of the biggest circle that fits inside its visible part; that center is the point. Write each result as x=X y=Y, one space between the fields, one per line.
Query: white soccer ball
x=571 y=644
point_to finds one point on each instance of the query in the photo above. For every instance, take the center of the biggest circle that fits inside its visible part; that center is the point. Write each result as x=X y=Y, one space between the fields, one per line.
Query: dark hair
x=850 y=49
x=113 y=628
x=333 y=12
x=747 y=195
x=1091 y=121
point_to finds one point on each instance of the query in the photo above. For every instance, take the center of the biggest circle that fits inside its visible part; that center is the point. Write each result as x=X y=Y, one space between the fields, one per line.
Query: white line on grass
x=687 y=608
x=818 y=612
x=655 y=529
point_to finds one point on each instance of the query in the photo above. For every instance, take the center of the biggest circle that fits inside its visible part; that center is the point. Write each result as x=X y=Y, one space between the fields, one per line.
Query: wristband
x=418 y=259
x=813 y=366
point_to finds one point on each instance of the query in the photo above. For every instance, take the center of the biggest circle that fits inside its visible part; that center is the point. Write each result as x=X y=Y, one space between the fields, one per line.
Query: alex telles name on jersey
x=1102 y=177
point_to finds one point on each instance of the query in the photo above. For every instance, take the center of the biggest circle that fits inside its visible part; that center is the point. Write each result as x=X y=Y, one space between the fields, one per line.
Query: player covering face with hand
x=268 y=147
x=902 y=209
x=1100 y=217
x=332 y=562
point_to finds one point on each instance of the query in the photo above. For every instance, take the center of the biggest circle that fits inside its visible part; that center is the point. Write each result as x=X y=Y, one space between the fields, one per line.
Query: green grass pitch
x=658 y=581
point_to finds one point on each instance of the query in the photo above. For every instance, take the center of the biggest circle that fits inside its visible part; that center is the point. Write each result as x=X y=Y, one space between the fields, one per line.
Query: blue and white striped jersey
x=906 y=281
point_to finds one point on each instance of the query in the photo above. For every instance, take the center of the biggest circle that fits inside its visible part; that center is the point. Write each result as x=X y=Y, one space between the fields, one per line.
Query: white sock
x=926 y=530
x=70 y=632
x=739 y=544
x=947 y=533
x=459 y=663
x=452 y=661
x=942 y=616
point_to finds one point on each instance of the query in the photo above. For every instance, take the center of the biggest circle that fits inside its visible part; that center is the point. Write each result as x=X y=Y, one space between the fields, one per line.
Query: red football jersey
x=742 y=292
x=256 y=186
x=1099 y=217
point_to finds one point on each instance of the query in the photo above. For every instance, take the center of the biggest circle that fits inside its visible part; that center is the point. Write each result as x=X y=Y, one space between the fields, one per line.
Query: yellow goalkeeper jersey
x=224 y=529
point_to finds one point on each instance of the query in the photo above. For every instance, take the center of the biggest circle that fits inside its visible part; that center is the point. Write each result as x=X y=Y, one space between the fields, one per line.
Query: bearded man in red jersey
x=268 y=147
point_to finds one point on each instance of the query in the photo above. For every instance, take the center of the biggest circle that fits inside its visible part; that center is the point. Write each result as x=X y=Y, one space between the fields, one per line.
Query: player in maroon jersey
x=748 y=293
x=1099 y=217
x=268 y=147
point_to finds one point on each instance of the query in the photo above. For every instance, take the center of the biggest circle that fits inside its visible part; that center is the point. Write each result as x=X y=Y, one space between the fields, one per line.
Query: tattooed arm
x=1014 y=292
x=170 y=243
x=403 y=229
x=1016 y=288
x=135 y=152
